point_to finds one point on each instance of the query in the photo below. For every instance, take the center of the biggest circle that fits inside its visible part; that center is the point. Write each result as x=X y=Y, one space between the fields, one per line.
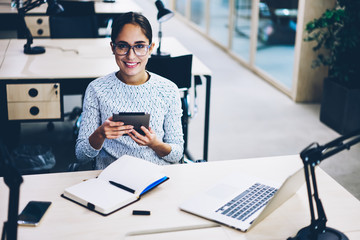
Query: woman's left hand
x=148 y=139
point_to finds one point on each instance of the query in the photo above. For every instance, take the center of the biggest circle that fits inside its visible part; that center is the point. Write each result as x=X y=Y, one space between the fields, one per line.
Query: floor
x=248 y=117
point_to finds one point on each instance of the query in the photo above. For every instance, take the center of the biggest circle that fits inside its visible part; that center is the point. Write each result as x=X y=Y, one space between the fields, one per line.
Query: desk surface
x=67 y=220
x=3 y=46
x=72 y=58
x=119 y=6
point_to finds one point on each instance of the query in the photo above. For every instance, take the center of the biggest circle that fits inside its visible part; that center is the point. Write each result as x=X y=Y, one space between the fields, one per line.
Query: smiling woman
x=132 y=65
x=131 y=89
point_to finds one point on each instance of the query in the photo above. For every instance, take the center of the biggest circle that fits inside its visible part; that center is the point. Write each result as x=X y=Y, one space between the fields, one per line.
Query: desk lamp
x=163 y=15
x=13 y=180
x=53 y=8
x=312 y=156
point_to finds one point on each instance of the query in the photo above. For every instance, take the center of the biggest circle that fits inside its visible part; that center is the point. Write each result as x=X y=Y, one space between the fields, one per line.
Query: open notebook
x=242 y=201
x=121 y=183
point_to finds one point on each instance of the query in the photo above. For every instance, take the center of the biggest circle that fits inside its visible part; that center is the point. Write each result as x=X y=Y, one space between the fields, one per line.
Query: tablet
x=136 y=119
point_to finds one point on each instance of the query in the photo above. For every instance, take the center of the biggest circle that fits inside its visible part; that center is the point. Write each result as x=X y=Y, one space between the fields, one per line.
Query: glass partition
x=197 y=15
x=219 y=21
x=276 y=39
x=264 y=42
x=242 y=29
x=180 y=7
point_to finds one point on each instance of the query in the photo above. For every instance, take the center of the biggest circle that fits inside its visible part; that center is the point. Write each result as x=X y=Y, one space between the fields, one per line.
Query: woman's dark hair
x=132 y=18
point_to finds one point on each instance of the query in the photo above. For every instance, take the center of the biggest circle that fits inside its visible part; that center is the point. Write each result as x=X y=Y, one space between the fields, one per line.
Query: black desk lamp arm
x=13 y=180
x=312 y=156
x=158 y=51
x=25 y=30
x=28 y=5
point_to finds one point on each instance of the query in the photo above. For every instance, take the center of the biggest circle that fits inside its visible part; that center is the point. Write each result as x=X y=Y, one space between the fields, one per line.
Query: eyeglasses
x=123 y=49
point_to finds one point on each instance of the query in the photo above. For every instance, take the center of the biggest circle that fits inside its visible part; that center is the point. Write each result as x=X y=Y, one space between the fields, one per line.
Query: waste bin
x=29 y=158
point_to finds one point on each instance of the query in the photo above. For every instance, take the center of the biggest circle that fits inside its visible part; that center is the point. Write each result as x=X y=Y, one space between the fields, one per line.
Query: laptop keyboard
x=248 y=202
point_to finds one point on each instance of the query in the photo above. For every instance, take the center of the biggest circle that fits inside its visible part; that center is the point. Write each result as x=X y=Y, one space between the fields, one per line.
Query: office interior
x=256 y=109
x=253 y=111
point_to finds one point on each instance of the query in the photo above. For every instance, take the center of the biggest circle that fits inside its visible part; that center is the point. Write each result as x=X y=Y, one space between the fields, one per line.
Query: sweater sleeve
x=90 y=121
x=173 y=128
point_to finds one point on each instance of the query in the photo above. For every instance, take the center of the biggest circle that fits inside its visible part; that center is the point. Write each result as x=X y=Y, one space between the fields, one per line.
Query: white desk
x=72 y=64
x=38 y=22
x=3 y=46
x=119 y=6
x=64 y=58
x=67 y=220
x=73 y=58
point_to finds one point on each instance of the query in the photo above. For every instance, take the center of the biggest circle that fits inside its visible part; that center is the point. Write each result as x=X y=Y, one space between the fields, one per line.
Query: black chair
x=77 y=21
x=178 y=70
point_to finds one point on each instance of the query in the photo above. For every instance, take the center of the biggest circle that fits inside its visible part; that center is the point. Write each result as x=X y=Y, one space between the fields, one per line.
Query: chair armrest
x=73 y=167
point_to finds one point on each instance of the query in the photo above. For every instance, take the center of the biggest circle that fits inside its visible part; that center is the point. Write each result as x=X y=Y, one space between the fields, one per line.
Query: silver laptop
x=241 y=201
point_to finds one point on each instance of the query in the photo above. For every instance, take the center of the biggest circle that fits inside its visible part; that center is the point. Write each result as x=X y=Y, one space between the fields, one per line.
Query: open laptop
x=241 y=201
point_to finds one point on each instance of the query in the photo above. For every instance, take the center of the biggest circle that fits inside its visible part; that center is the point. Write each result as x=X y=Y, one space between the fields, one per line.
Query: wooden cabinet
x=33 y=101
x=38 y=25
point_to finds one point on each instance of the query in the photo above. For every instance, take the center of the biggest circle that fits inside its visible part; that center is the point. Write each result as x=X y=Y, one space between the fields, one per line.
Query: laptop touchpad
x=221 y=191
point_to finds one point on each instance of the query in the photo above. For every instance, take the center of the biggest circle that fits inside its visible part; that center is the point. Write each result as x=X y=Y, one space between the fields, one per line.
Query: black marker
x=122 y=187
x=141 y=212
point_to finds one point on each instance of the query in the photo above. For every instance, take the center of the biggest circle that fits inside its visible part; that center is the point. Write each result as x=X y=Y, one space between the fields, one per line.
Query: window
x=219 y=21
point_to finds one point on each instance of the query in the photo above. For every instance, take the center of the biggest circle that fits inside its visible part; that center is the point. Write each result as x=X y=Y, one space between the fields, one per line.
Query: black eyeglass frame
x=129 y=47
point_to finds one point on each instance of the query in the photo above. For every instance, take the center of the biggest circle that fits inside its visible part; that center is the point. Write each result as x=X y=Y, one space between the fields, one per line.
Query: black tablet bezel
x=136 y=119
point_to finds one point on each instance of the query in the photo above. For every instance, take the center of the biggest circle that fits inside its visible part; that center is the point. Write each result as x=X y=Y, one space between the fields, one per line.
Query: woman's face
x=132 y=66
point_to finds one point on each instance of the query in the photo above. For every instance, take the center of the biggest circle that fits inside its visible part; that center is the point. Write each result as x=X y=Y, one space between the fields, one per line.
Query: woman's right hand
x=110 y=130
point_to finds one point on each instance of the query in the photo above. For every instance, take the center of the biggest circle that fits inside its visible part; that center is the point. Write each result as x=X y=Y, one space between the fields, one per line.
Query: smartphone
x=32 y=213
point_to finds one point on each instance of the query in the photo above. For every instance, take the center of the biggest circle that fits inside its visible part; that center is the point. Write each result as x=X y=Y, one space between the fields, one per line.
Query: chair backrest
x=176 y=69
x=77 y=21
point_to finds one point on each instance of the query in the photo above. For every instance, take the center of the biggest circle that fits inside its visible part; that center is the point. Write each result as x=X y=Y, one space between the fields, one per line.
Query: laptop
x=242 y=201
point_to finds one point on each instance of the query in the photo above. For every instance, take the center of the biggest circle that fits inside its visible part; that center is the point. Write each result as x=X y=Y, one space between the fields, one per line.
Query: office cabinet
x=33 y=101
x=38 y=25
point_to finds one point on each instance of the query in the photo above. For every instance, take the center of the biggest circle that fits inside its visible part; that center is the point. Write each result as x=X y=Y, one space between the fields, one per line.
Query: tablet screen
x=136 y=119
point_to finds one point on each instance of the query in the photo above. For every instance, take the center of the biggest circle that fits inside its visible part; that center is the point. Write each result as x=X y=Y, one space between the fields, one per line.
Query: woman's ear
x=151 y=48
x=112 y=48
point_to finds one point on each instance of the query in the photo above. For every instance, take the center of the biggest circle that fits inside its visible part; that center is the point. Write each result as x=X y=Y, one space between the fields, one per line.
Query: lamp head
x=164 y=14
x=53 y=8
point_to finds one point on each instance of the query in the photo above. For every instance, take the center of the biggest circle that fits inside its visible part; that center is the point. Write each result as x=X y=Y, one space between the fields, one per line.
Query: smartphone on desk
x=33 y=213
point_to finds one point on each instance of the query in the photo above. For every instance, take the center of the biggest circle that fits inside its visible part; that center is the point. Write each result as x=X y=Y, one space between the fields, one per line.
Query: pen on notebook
x=122 y=187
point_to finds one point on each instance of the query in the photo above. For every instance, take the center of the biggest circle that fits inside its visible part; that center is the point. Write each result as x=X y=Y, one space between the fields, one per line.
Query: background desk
x=72 y=64
x=103 y=12
x=67 y=220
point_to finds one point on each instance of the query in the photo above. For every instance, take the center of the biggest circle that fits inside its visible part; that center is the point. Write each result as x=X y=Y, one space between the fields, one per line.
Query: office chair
x=178 y=70
x=77 y=21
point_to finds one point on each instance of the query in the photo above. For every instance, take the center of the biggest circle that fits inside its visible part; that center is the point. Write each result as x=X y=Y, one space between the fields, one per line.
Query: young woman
x=131 y=89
